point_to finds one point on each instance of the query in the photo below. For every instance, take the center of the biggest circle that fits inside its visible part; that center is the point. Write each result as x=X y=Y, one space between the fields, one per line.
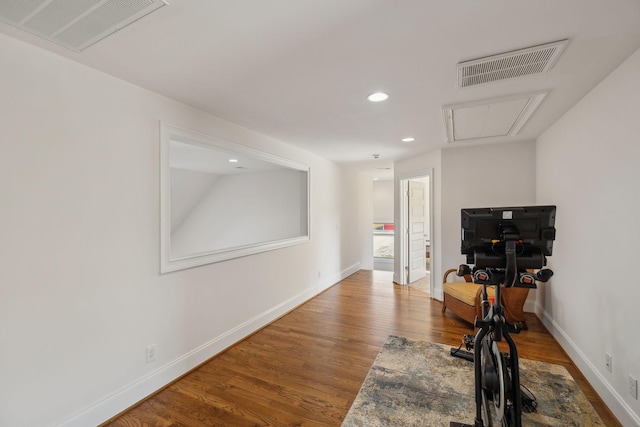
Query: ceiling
x=300 y=70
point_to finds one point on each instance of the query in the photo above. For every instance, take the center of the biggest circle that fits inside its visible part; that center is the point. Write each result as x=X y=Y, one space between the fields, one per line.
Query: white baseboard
x=611 y=397
x=118 y=401
x=343 y=274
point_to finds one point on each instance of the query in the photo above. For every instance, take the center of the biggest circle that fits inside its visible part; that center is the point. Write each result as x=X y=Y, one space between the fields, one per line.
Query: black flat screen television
x=484 y=231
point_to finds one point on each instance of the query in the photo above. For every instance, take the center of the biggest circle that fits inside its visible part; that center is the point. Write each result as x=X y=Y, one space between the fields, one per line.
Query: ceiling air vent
x=523 y=62
x=75 y=24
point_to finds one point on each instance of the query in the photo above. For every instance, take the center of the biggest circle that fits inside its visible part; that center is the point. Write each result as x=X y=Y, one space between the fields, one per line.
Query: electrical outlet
x=152 y=353
x=608 y=362
x=633 y=387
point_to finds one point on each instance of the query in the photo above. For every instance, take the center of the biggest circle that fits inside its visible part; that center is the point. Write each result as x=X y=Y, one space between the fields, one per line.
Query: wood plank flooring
x=306 y=368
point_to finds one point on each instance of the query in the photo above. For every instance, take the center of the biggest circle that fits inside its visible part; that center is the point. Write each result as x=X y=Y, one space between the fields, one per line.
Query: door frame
x=416 y=199
x=402 y=261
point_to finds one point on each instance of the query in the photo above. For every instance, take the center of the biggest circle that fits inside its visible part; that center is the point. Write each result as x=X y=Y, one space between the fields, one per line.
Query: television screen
x=484 y=231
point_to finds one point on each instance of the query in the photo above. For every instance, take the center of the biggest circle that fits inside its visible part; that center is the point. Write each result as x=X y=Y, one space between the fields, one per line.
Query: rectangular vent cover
x=74 y=24
x=523 y=62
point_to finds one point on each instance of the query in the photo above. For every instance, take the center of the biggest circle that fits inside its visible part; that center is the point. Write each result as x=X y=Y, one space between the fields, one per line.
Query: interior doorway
x=415 y=230
x=383 y=225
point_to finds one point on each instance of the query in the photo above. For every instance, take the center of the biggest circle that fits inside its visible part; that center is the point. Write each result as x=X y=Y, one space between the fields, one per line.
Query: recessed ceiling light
x=408 y=139
x=378 y=96
x=233 y=160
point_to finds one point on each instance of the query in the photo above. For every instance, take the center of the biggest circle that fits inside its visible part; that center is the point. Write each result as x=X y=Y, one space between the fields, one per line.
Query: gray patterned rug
x=416 y=383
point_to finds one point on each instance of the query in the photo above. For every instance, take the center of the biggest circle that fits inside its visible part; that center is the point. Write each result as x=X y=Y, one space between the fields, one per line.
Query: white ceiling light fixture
x=378 y=97
x=408 y=139
x=490 y=118
x=233 y=160
x=78 y=24
x=517 y=63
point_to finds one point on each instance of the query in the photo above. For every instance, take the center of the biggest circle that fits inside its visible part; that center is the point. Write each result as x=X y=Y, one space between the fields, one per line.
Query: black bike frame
x=495 y=322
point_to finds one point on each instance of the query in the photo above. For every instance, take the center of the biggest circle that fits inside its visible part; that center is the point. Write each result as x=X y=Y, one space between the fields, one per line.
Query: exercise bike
x=502 y=243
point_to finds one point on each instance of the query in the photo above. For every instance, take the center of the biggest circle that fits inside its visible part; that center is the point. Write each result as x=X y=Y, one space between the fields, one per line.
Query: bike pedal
x=468 y=341
x=456 y=352
x=507 y=360
x=515 y=328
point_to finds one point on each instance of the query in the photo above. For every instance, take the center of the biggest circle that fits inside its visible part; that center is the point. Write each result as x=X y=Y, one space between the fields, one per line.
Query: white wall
x=356 y=205
x=587 y=164
x=80 y=291
x=383 y=201
x=482 y=176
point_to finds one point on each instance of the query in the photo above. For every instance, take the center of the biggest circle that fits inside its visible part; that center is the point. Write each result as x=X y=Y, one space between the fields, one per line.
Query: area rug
x=416 y=383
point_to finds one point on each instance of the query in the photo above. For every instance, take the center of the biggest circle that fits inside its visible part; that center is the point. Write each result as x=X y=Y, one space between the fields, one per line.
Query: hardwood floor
x=306 y=368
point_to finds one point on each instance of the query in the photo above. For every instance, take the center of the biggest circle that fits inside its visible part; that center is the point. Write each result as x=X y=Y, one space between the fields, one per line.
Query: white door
x=416 y=231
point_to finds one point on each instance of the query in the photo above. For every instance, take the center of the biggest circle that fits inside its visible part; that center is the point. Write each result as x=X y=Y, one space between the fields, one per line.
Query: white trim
x=118 y=401
x=402 y=260
x=401 y=235
x=211 y=257
x=169 y=264
x=533 y=101
x=611 y=398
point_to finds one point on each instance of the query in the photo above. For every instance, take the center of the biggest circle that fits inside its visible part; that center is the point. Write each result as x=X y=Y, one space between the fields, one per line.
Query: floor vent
x=75 y=24
x=523 y=62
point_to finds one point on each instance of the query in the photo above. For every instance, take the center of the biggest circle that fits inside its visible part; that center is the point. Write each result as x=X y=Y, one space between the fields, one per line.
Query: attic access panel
x=75 y=24
x=491 y=118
